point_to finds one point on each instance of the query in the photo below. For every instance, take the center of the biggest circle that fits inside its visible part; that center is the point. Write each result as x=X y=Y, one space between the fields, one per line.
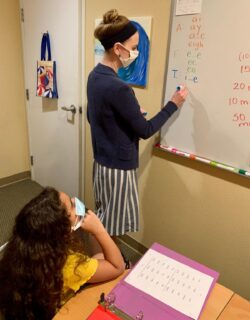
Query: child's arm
x=111 y=264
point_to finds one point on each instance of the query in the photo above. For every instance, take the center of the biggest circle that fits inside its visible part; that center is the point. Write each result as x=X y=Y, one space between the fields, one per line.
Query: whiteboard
x=210 y=53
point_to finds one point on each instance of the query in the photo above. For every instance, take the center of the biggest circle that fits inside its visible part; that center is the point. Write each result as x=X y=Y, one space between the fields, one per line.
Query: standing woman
x=117 y=124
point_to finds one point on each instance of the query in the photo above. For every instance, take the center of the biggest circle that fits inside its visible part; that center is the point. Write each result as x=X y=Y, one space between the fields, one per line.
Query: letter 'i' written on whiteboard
x=188 y=7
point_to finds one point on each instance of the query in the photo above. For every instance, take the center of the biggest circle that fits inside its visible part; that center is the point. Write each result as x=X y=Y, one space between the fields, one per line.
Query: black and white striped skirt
x=116 y=199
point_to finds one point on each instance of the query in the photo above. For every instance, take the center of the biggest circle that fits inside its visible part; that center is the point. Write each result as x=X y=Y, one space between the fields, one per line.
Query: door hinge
x=27 y=94
x=22 y=14
x=80 y=110
x=31 y=160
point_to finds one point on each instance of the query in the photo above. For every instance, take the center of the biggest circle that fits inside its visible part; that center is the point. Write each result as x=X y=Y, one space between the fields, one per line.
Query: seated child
x=43 y=263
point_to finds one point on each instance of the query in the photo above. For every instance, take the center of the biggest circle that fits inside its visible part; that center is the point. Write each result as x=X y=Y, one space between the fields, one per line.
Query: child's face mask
x=80 y=207
x=80 y=213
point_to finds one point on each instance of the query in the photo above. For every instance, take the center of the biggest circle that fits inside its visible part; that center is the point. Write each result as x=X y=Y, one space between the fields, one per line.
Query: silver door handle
x=72 y=108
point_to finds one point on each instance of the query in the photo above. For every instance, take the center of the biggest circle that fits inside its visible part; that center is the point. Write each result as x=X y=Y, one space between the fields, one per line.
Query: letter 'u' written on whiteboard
x=188 y=7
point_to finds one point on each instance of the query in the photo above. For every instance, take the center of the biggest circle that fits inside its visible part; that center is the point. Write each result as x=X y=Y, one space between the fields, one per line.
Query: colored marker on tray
x=207 y=161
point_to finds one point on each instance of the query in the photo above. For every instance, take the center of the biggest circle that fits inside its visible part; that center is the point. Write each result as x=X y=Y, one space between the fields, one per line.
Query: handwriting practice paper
x=177 y=285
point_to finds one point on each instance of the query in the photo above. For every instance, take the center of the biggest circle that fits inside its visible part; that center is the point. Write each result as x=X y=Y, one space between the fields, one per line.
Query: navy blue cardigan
x=116 y=120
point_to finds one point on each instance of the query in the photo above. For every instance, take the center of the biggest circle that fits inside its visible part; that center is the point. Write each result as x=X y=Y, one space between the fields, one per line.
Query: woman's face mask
x=133 y=54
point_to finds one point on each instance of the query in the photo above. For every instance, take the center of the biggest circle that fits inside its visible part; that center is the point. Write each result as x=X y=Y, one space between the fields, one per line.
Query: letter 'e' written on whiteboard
x=188 y=7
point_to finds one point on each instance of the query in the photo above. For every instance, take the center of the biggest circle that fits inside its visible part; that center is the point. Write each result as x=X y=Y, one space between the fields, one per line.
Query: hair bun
x=111 y=16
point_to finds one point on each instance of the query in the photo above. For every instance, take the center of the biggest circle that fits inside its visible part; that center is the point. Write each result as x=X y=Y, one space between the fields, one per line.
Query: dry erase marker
x=143 y=112
x=244 y=172
x=178 y=88
x=178 y=152
x=203 y=160
x=222 y=166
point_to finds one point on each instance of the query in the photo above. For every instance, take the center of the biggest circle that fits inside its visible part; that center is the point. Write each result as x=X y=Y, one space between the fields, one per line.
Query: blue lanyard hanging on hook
x=45 y=47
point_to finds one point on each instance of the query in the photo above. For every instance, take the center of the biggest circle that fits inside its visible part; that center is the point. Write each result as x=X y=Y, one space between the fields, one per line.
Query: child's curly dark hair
x=31 y=279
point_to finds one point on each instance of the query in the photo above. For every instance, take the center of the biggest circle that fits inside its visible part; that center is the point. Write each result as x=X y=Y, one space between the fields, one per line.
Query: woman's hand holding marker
x=180 y=95
x=144 y=112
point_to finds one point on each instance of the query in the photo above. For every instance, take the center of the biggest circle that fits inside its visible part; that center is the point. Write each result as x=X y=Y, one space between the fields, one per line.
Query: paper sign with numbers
x=172 y=282
x=188 y=7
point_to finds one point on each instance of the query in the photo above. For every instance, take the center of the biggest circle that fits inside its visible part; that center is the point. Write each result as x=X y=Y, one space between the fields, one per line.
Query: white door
x=54 y=133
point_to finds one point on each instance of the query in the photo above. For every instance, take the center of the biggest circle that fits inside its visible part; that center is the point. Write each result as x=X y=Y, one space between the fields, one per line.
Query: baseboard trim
x=133 y=244
x=3 y=246
x=15 y=178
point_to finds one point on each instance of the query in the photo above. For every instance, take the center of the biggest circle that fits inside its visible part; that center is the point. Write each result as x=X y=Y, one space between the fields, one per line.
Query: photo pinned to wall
x=136 y=73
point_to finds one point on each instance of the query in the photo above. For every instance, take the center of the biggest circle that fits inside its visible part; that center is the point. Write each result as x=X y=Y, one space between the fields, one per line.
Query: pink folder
x=132 y=300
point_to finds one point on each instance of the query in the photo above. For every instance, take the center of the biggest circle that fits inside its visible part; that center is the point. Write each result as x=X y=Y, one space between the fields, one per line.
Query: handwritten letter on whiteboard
x=211 y=55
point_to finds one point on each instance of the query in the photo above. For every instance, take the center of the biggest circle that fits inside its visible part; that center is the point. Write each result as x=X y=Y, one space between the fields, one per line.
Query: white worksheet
x=171 y=282
x=188 y=7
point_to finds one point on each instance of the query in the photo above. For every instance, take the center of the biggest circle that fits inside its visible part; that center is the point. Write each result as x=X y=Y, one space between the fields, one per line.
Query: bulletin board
x=209 y=51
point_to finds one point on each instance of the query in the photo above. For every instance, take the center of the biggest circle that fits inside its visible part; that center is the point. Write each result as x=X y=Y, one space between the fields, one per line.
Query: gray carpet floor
x=130 y=253
x=12 y=199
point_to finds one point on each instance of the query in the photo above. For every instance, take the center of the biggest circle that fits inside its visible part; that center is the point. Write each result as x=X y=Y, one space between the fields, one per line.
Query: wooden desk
x=80 y=306
x=217 y=301
x=237 y=309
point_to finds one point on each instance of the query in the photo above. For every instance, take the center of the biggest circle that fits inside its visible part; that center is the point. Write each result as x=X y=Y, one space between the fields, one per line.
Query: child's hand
x=92 y=224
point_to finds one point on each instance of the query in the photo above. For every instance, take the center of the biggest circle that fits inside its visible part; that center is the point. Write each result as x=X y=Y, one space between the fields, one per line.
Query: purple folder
x=132 y=300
